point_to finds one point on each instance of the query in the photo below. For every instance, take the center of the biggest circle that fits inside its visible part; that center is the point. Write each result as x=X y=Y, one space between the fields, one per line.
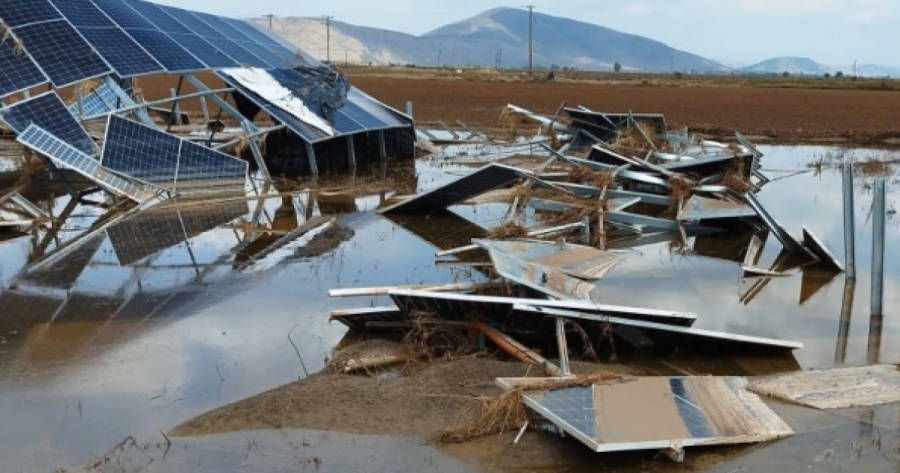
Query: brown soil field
x=785 y=115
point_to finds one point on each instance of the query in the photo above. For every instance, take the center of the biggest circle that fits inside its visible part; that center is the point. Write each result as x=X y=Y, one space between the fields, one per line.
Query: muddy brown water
x=98 y=352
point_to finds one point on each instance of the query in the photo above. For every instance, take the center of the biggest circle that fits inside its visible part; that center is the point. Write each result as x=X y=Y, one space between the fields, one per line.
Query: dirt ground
x=785 y=115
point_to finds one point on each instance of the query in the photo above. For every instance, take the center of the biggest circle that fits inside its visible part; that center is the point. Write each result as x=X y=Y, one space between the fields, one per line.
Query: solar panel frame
x=48 y=112
x=61 y=52
x=16 y=13
x=18 y=72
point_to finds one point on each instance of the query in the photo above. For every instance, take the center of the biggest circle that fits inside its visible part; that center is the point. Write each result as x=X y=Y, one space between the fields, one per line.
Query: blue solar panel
x=344 y=124
x=251 y=32
x=83 y=13
x=121 y=52
x=144 y=153
x=206 y=52
x=171 y=55
x=17 y=71
x=16 y=13
x=67 y=156
x=151 y=155
x=101 y=101
x=374 y=107
x=239 y=54
x=63 y=55
x=50 y=113
x=158 y=17
x=260 y=51
x=354 y=112
x=122 y=14
x=192 y=22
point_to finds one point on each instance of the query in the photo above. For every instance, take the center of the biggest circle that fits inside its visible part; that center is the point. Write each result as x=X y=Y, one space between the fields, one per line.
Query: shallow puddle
x=155 y=320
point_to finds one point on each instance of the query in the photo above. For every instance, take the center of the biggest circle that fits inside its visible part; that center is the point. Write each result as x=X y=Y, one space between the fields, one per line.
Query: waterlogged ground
x=93 y=353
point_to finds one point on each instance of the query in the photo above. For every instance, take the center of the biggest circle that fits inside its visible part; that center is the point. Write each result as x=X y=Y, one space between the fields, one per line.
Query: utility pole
x=328 y=37
x=270 y=17
x=498 y=60
x=531 y=40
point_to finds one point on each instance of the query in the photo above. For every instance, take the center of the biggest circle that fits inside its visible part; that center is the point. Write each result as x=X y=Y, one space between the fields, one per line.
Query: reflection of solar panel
x=61 y=53
x=153 y=156
x=148 y=233
x=50 y=113
x=67 y=156
x=17 y=71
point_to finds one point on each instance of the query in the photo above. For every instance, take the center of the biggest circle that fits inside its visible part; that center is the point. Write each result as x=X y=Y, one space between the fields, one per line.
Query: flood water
x=150 y=321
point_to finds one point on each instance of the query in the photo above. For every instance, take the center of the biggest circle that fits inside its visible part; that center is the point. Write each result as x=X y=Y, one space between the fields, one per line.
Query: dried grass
x=587 y=176
x=429 y=340
x=631 y=139
x=507 y=412
x=508 y=231
x=681 y=188
x=736 y=177
x=29 y=167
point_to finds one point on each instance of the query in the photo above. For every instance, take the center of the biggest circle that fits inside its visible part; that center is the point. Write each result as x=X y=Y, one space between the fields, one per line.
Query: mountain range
x=499 y=38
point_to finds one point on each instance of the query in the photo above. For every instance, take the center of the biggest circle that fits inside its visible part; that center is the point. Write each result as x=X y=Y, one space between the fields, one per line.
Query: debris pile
x=571 y=221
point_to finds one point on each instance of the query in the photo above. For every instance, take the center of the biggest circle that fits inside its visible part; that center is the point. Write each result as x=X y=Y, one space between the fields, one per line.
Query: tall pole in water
x=531 y=40
x=878 y=230
x=328 y=38
x=849 y=222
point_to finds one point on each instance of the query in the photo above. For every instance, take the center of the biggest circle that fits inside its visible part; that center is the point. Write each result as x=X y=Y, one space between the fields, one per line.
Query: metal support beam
x=351 y=154
x=174 y=117
x=563 y=346
x=254 y=148
x=222 y=103
x=382 y=145
x=849 y=222
x=139 y=111
x=878 y=231
x=205 y=108
x=311 y=156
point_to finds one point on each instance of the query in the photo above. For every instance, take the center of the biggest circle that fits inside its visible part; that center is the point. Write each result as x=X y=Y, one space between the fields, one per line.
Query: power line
x=328 y=37
x=270 y=17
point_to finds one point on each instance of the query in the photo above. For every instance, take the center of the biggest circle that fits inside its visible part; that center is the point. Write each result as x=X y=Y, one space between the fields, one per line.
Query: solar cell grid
x=158 y=17
x=203 y=169
x=83 y=13
x=50 y=113
x=172 y=56
x=260 y=51
x=239 y=54
x=17 y=70
x=16 y=13
x=63 y=55
x=141 y=152
x=192 y=22
x=101 y=101
x=121 y=52
x=122 y=14
x=204 y=51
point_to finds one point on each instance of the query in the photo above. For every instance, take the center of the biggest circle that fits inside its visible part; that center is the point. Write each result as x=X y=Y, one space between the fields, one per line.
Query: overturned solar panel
x=101 y=101
x=657 y=413
x=177 y=165
x=48 y=112
x=582 y=262
x=488 y=178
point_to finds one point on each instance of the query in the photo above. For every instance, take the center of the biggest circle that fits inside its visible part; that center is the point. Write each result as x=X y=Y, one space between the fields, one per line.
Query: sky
x=737 y=32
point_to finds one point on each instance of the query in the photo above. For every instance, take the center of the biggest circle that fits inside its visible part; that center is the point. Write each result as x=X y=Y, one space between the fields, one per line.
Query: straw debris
x=681 y=187
x=508 y=231
x=587 y=176
x=429 y=340
x=736 y=177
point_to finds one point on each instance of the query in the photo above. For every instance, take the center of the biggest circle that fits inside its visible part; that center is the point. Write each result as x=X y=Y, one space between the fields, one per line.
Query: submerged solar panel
x=16 y=13
x=50 y=113
x=61 y=53
x=17 y=71
x=153 y=156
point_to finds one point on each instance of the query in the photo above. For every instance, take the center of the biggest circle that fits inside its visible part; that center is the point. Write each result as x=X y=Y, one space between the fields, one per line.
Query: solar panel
x=121 y=52
x=50 y=113
x=260 y=51
x=239 y=54
x=122 y=14
x=192 y=22
x=17 y=71
x=102 y=101
x=67 y=156
x=61 y=53
x=151 y=155
x=251 y=32
x=376 y=108
x=201 y=169
x=16 y=13
x=141 y=152
x=83 y=13
x=169 y=53
x=153 y=13
x=204 y=51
